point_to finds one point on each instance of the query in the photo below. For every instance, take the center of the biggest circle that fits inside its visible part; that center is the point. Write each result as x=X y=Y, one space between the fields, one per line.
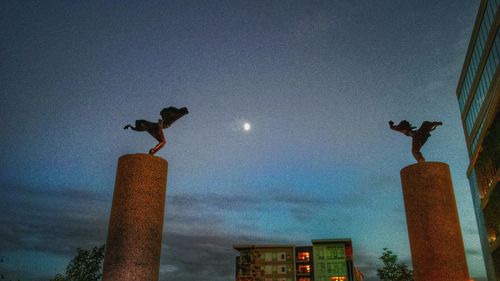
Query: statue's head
x=184 y=110
x=181 y=111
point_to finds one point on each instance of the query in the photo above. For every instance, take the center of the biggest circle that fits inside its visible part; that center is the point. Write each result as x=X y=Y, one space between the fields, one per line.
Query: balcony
x=303 y=257
x=494 y=246
x=487 y=164
x=304 y=270
x=488 y=177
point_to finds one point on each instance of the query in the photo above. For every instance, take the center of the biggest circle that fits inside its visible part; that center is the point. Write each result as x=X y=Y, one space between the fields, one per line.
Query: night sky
x=317 y=80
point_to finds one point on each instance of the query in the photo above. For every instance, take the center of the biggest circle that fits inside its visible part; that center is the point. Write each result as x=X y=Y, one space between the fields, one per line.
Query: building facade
x=304 y=263
x=333 y=260
x=325 y=260
x=478 y=98
x=265 y=263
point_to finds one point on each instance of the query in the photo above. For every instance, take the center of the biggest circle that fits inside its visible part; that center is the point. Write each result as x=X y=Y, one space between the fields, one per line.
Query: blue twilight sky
x=318 y=81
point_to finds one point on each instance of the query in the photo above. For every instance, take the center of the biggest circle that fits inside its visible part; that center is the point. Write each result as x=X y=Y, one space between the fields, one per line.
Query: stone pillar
x=135 y=226
x=436 y=244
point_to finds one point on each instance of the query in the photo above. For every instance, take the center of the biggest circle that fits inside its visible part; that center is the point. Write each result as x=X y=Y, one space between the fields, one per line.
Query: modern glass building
x=478 y=99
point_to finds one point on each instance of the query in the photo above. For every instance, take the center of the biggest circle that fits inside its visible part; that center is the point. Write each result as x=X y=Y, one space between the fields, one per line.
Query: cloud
x=195 y=256
x=36 y=219
x=196 y=243
x=56 y=222
x=299 y=205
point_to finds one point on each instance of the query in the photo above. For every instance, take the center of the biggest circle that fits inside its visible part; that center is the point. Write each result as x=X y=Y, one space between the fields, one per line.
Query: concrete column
x=436 y=244
x=135 y=226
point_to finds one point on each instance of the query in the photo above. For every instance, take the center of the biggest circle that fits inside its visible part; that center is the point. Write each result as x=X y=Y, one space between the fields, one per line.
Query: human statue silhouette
x=168 y=116
x=419 y=137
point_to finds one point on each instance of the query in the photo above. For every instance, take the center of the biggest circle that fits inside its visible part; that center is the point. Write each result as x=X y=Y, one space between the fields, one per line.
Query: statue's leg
x=157 y=147
x=162 y=141
x=415 y=150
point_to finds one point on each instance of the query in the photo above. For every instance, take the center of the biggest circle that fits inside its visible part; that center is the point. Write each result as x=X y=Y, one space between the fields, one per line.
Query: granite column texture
x=135 y=228
x=436 y=244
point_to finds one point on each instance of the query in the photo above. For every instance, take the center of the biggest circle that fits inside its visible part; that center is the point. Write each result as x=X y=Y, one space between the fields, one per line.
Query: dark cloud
x=56 y=222
x=195 y=256
x=219 y=201
x=367 y=264
x=299 y=206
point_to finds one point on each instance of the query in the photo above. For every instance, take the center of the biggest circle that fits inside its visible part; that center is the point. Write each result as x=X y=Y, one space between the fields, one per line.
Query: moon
x=247 y=126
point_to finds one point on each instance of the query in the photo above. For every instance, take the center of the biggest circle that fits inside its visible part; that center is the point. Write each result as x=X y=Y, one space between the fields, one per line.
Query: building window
x=329 y=267
x=329 y=253
x=477 y=53
x=484 y=84
x=339 y=253
x=303 y=256
x=304 y=269
x=283 y=269
x=321 y=267
x=337 y=278
x=339 y=268
x=275 y=256
x=282 y=256
x=321 y=253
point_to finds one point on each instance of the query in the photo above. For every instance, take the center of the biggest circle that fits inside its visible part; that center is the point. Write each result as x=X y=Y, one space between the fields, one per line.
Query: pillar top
x=144 y=156
x=427 y=164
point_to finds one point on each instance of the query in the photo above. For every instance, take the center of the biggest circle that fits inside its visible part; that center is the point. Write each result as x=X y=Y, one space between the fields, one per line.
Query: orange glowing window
x=304 y=269
x=337 y=278
x=303 y=256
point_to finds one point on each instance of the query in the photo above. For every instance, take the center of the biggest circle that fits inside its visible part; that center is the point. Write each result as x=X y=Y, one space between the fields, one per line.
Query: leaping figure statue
x=168 y=116
x=419 y=137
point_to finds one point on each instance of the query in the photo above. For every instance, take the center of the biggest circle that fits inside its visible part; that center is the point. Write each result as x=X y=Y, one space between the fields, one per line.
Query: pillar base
x=135 y=228
x=436 y=244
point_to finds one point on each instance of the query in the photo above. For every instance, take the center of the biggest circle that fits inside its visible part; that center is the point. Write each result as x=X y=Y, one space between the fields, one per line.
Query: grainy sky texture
x=318 y=81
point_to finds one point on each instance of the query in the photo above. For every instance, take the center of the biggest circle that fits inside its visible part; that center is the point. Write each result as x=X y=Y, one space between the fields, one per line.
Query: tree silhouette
x=86 y=266
x=392 y=270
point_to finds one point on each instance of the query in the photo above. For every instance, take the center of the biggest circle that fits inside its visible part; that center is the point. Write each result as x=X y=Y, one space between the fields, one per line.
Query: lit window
x=303 y=256
x=337 y=278
x=304 y=269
